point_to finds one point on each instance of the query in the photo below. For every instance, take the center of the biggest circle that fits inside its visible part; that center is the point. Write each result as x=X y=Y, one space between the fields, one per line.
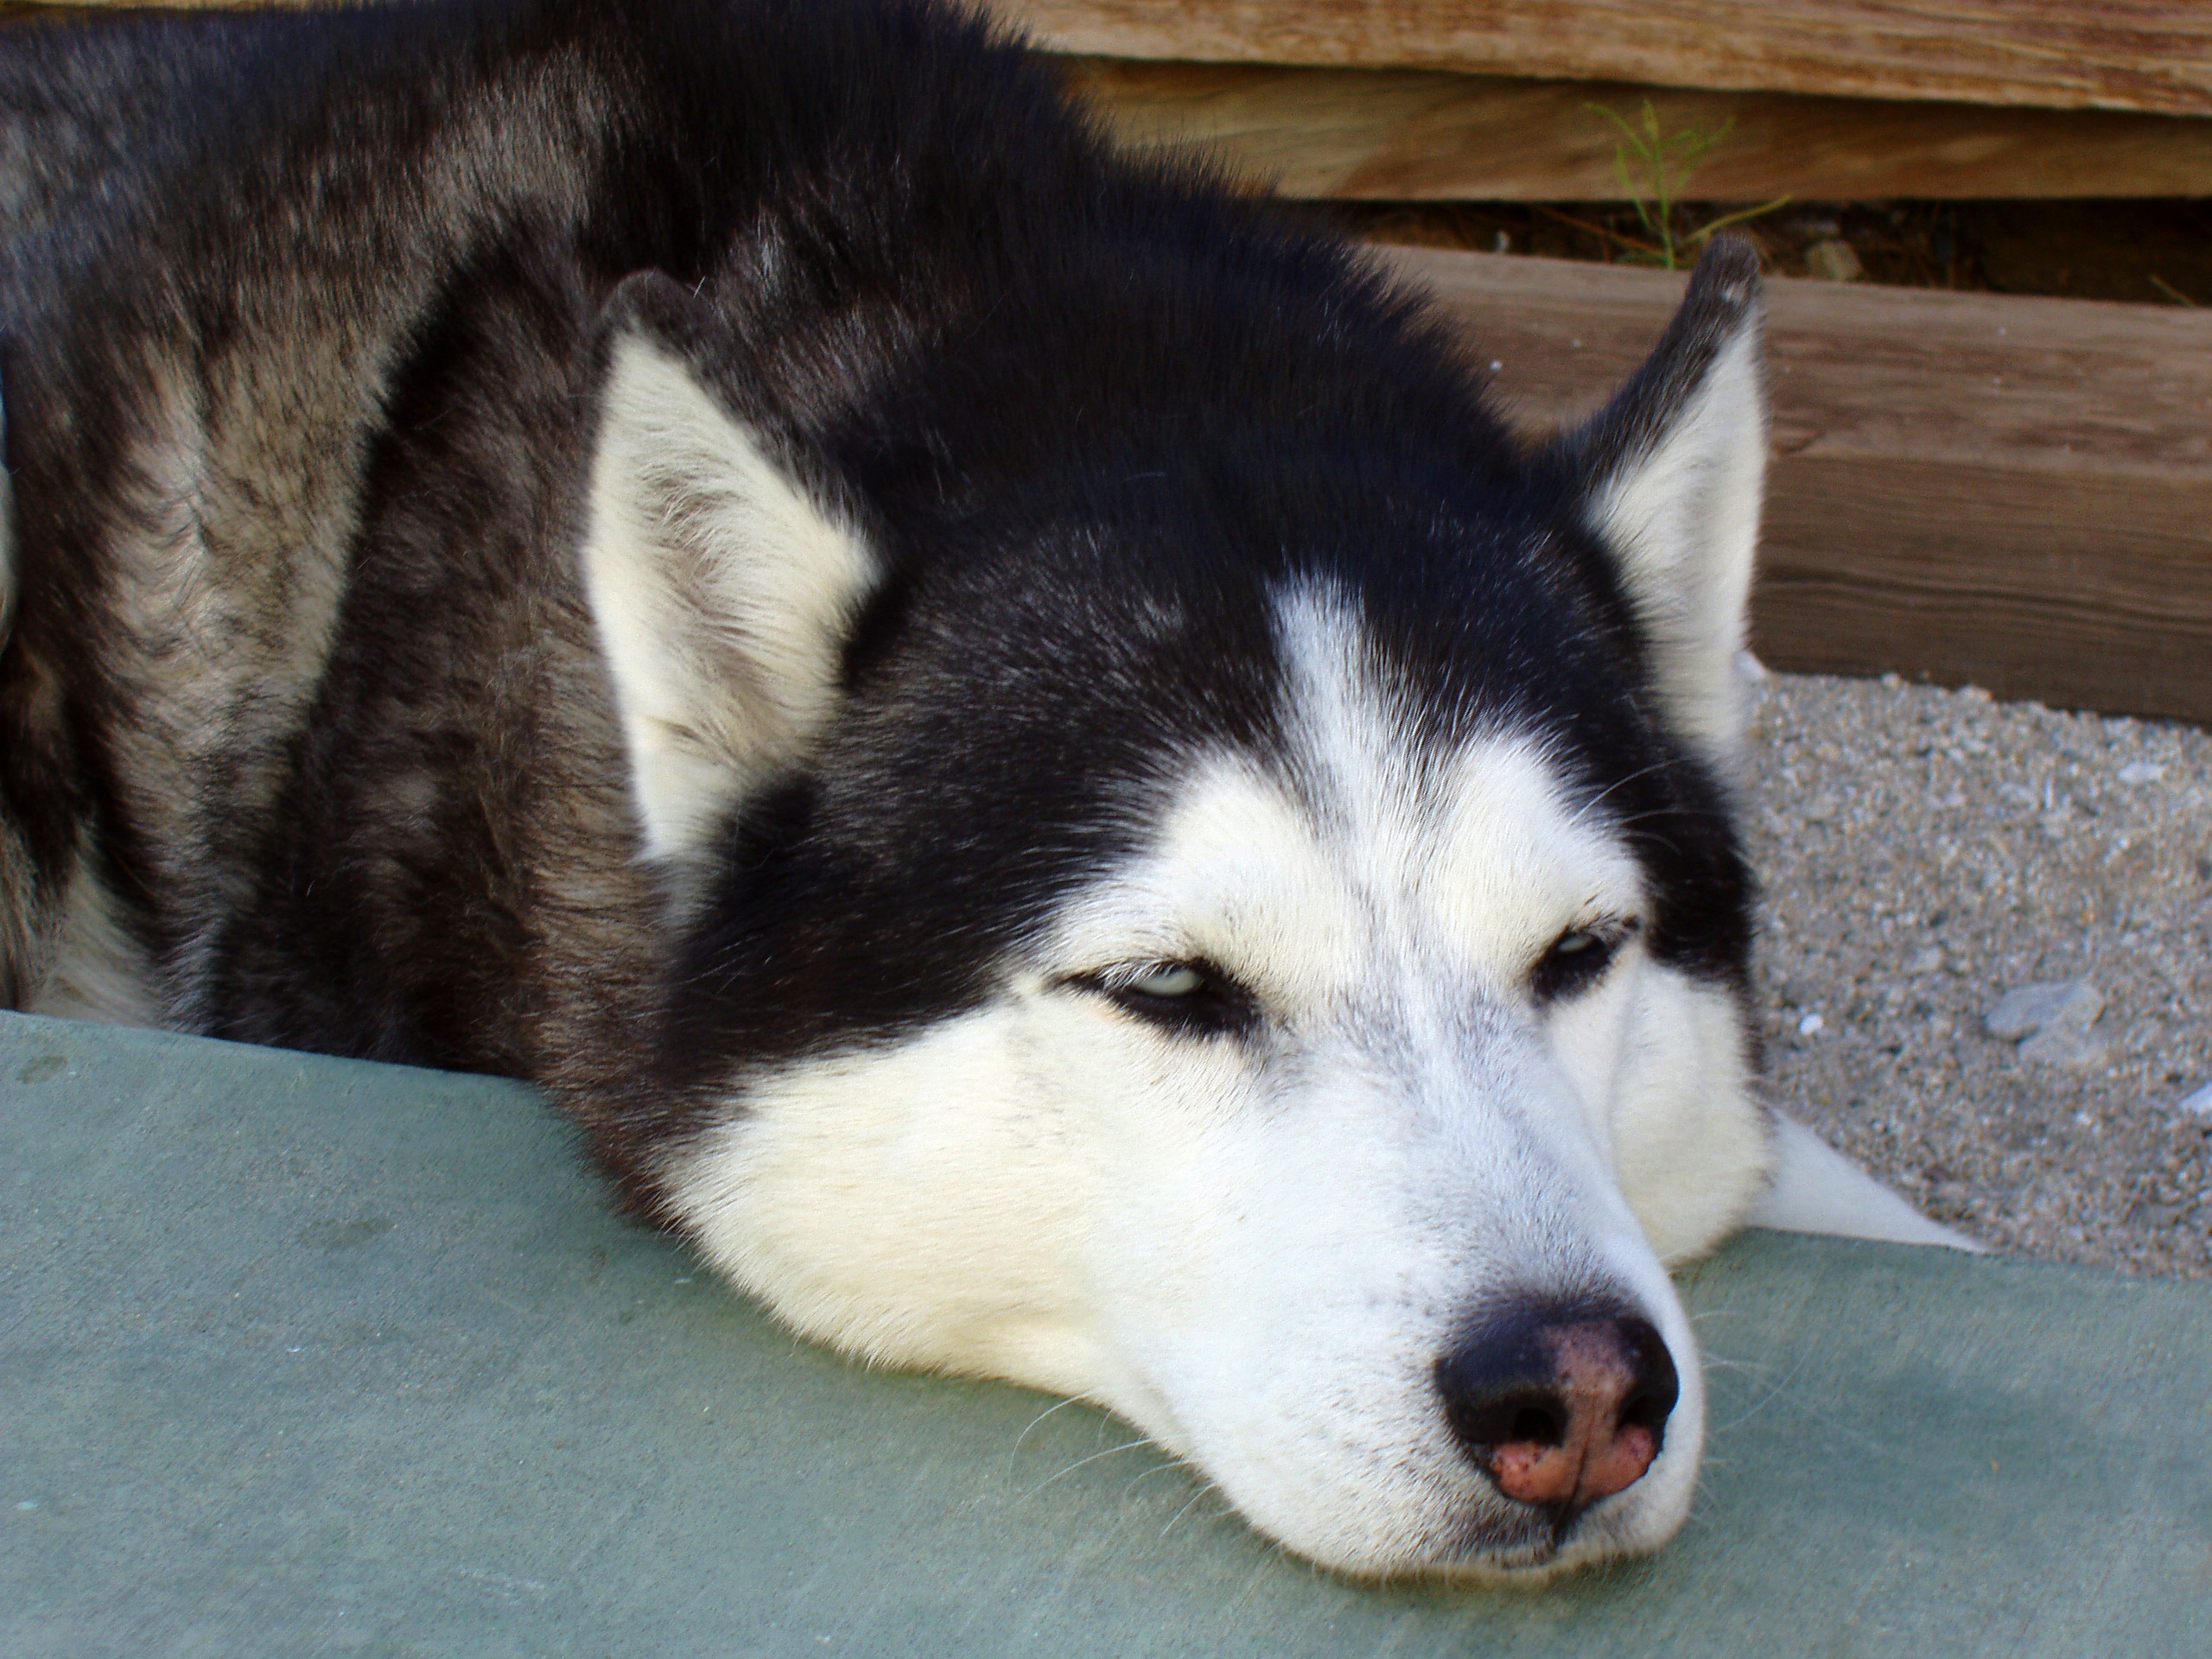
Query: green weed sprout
x=1653 y=165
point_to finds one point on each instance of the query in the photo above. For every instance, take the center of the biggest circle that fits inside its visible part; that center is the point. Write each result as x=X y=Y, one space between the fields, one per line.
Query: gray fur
x=667 y=547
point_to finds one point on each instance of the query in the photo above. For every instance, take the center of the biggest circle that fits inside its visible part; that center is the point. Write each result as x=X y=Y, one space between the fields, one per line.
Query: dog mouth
x=1471 y=1533
x=1538 y=1542
x=1528 y=1550
x=1551 y=1433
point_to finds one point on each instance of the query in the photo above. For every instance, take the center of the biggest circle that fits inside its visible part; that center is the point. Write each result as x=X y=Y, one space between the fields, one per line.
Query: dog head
x=1242 y=925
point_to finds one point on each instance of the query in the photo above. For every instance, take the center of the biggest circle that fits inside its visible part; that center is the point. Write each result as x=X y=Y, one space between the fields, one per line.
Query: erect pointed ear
x=1672 y=471
x=721 y=588
x=1816 y=1189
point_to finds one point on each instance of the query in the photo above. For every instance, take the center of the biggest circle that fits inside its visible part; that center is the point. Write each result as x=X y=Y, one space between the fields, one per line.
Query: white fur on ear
x=1676 y=473
x=721 y=594
x=1816 y=1189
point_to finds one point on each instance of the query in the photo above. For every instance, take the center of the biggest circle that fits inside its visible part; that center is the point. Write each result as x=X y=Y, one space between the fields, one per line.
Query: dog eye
x=1191 y=999
x=1577 y=960
x=1168 y=979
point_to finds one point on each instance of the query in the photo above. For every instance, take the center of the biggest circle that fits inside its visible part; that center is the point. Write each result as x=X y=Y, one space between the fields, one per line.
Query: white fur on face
x=1257 y=1250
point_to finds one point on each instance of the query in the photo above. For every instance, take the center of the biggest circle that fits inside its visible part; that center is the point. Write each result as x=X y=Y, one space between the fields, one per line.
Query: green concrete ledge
x=302 y=1357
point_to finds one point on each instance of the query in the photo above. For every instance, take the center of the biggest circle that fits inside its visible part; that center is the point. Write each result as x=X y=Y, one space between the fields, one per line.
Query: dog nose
x=1560 y=1405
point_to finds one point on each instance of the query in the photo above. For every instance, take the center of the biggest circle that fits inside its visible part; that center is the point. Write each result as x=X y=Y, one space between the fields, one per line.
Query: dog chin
x=1524 y=1555
x=1528 y=1553
x=1479 y=1540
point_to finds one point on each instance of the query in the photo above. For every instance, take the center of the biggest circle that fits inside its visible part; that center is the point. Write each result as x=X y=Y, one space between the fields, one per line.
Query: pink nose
x=1560 y=1405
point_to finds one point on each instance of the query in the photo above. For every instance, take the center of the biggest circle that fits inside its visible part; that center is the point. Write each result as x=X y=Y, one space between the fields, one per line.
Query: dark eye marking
x=1578 y=959
x=1187 y=999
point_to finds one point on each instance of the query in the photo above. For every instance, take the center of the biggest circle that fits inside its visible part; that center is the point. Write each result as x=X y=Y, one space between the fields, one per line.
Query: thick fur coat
x=997 y=722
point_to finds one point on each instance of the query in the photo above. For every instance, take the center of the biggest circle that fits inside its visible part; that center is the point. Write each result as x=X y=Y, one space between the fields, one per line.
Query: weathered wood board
x=1292 y=99
x=306 y=1357
x=2118 y=54
x=1412 y=136
x=2013 y=493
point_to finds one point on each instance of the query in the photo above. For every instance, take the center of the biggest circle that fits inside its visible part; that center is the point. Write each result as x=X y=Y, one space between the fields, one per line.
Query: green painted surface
x=300 y=1357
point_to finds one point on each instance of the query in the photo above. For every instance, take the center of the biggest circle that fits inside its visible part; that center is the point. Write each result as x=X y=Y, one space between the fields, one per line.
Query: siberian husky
x=999 y=723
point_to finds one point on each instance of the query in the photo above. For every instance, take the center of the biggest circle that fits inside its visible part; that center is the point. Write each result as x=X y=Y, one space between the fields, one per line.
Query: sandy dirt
x=1924 y=853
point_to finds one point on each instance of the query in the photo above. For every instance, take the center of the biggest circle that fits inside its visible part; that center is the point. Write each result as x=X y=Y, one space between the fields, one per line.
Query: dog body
x=1001 y=727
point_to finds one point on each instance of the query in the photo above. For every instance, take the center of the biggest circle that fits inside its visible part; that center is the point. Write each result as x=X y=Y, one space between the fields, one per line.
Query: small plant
x=1653 y=165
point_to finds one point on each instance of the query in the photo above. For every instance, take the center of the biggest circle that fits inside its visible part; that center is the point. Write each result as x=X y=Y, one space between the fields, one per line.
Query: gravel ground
x=1924 y=853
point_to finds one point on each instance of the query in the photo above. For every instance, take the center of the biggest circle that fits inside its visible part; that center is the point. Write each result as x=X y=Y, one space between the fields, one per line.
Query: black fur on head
x=1091 y=486
x=1092 y=414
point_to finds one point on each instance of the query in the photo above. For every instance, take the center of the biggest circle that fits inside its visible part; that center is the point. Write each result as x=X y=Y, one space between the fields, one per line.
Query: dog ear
x=721 y=589
x=1671 y=474
x=1816 y=1189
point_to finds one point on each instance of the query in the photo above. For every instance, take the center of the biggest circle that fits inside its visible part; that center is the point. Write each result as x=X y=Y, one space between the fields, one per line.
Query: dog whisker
x=1186 y=1510
x=1126 y=1446
x=1072 y=1399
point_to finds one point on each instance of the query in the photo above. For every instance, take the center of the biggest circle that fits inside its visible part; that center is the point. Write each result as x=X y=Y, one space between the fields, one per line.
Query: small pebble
x=2141 y=771
x=2198 y=1104
x=1811 y=1025
x=2072 y=1004
x=1833 y=260
x=2068 y=1049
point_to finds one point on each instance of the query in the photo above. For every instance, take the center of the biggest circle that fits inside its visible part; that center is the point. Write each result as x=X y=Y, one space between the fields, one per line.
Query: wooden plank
x=2015 y=492
x=1414 y=135
x=2153 y=55
x=2121 y=54
x=1375 y=134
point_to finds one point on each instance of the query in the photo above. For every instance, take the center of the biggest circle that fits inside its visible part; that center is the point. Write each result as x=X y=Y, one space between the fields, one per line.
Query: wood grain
x=1412 y=135
x=2015 y=492
x=1385 y=135
x=2153 y=55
